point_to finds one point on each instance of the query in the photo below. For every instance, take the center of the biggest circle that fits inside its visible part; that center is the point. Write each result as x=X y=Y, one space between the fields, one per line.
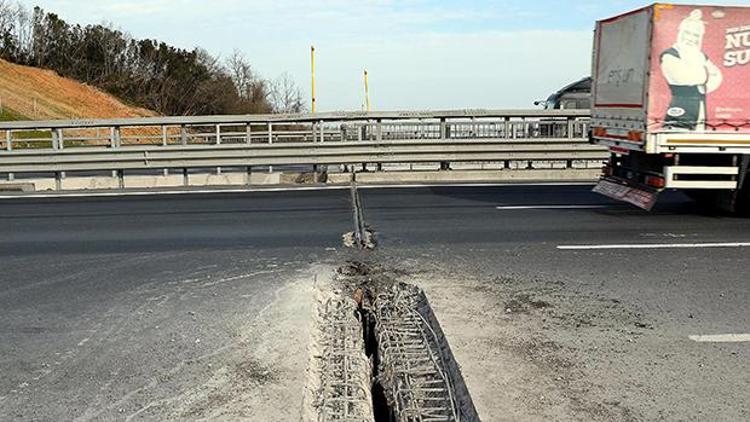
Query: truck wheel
x=742 y=203
x=727 y=201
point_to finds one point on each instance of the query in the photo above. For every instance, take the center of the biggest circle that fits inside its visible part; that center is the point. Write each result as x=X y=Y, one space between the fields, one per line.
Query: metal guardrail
x=319 y=139
x=293 y=118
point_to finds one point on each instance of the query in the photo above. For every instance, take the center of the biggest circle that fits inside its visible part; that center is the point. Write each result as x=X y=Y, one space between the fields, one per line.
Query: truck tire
x=726 y=201
x=742 y=202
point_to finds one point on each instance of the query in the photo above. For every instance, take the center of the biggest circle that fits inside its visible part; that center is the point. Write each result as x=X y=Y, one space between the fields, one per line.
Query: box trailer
x=671 y=101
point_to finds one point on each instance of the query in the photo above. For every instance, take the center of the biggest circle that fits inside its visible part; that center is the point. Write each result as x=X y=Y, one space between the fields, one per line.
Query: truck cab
x=576 y=95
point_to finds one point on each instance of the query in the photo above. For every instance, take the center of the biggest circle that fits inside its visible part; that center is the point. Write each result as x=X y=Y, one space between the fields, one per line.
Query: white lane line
x=278 y=189
x=721 y=338
x=551 y=207
x=656 y=246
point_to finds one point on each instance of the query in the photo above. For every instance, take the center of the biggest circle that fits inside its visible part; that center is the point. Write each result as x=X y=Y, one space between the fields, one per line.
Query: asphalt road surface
x=193 y=306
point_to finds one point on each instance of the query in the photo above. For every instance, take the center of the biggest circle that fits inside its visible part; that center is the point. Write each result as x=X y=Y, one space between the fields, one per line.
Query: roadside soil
x=57 y=97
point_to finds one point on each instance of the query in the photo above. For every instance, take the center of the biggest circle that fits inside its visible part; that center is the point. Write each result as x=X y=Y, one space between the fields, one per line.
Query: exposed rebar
x=362 y=237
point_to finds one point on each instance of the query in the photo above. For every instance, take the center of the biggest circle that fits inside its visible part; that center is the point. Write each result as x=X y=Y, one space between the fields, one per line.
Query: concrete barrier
x=16 y=187
x=90 y=183
x=141 y=182
x=156 y=181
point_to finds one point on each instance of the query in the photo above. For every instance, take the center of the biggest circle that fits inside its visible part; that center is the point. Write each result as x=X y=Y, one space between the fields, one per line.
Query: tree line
x=144 y=72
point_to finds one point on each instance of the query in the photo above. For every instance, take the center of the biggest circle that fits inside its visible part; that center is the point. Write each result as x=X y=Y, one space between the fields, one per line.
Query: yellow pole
x=367 y=92
x=312 y=79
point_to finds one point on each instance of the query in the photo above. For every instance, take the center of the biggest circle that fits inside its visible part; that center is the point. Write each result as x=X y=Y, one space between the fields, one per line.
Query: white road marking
x=275 y=189
x=721 y=338
x=656 y=246
x=551 y=207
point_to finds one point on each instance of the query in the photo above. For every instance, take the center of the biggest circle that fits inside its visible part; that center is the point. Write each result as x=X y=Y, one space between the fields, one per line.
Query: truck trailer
x=671 y=101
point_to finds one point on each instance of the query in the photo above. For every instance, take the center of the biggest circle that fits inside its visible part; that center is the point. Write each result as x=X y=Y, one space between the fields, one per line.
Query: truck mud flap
x=641 y=198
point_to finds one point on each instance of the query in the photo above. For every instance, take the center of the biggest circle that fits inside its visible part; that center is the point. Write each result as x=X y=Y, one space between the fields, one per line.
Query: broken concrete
x=338 y=376
x=377 y=353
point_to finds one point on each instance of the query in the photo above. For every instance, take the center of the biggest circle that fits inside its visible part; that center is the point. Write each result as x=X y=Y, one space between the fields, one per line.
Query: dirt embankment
x=38 y=94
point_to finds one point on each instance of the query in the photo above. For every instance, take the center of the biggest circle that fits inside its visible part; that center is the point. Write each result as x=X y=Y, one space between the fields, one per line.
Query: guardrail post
x=164 y=142
x=218 y=142
x=507 y=127
x=115 y=137
x=185 y=177
x=9 y=148
x=120 y=178
x=322 y=139
x=322 y=134
x=444 y=165
x=60 y=145
x=378 y=137
x=60 y=139
x=248 y=134
x=249 y=175
x=183 y=135
x=58 y=180
x=570 y=127
x=270 y=141
x=114 y=143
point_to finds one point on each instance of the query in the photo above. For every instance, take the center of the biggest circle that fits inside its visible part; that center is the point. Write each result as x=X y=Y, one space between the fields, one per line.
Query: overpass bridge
x=558 y=304
x=49 y=152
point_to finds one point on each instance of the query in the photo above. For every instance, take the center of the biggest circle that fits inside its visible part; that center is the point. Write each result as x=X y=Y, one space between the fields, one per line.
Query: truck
x=576 y=95
x=671 y=102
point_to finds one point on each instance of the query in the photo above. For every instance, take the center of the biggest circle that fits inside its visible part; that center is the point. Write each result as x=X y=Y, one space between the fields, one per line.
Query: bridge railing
x=463 y=136
x=326 y=127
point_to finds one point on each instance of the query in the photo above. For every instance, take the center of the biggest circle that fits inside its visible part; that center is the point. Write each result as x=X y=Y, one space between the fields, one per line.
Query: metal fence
x=311 y=139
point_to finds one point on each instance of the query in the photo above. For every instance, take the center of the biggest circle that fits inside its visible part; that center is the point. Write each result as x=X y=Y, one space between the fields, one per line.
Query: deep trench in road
x=378 y=352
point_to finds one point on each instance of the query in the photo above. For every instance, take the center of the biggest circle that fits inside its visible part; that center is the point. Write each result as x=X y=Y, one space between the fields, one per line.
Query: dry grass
x=57 y=97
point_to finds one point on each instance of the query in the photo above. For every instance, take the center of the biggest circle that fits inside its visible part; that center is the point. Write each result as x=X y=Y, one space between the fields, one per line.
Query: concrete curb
x=200 y=182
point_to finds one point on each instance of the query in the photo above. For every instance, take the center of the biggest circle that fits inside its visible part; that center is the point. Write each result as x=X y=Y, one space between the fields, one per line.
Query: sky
x=419 y=54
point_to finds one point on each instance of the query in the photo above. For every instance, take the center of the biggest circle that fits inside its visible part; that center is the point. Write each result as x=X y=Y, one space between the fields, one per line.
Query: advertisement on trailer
x=700 y=69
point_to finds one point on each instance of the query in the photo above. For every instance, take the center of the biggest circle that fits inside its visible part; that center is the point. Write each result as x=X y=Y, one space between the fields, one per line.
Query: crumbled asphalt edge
x=368 y=243
x=333 y=312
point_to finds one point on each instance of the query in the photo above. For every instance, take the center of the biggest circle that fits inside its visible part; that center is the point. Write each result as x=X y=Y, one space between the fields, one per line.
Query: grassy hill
x=29 y=93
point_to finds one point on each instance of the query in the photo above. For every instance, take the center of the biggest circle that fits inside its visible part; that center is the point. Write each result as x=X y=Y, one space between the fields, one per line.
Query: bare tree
x=24 y=33
x=254 y=92
x=7 y=16
x=241 y=73
x=15 y=31
x=286 y=97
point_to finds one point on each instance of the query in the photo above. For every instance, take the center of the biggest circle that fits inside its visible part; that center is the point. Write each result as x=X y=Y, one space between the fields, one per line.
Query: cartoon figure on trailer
x=690 y=75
